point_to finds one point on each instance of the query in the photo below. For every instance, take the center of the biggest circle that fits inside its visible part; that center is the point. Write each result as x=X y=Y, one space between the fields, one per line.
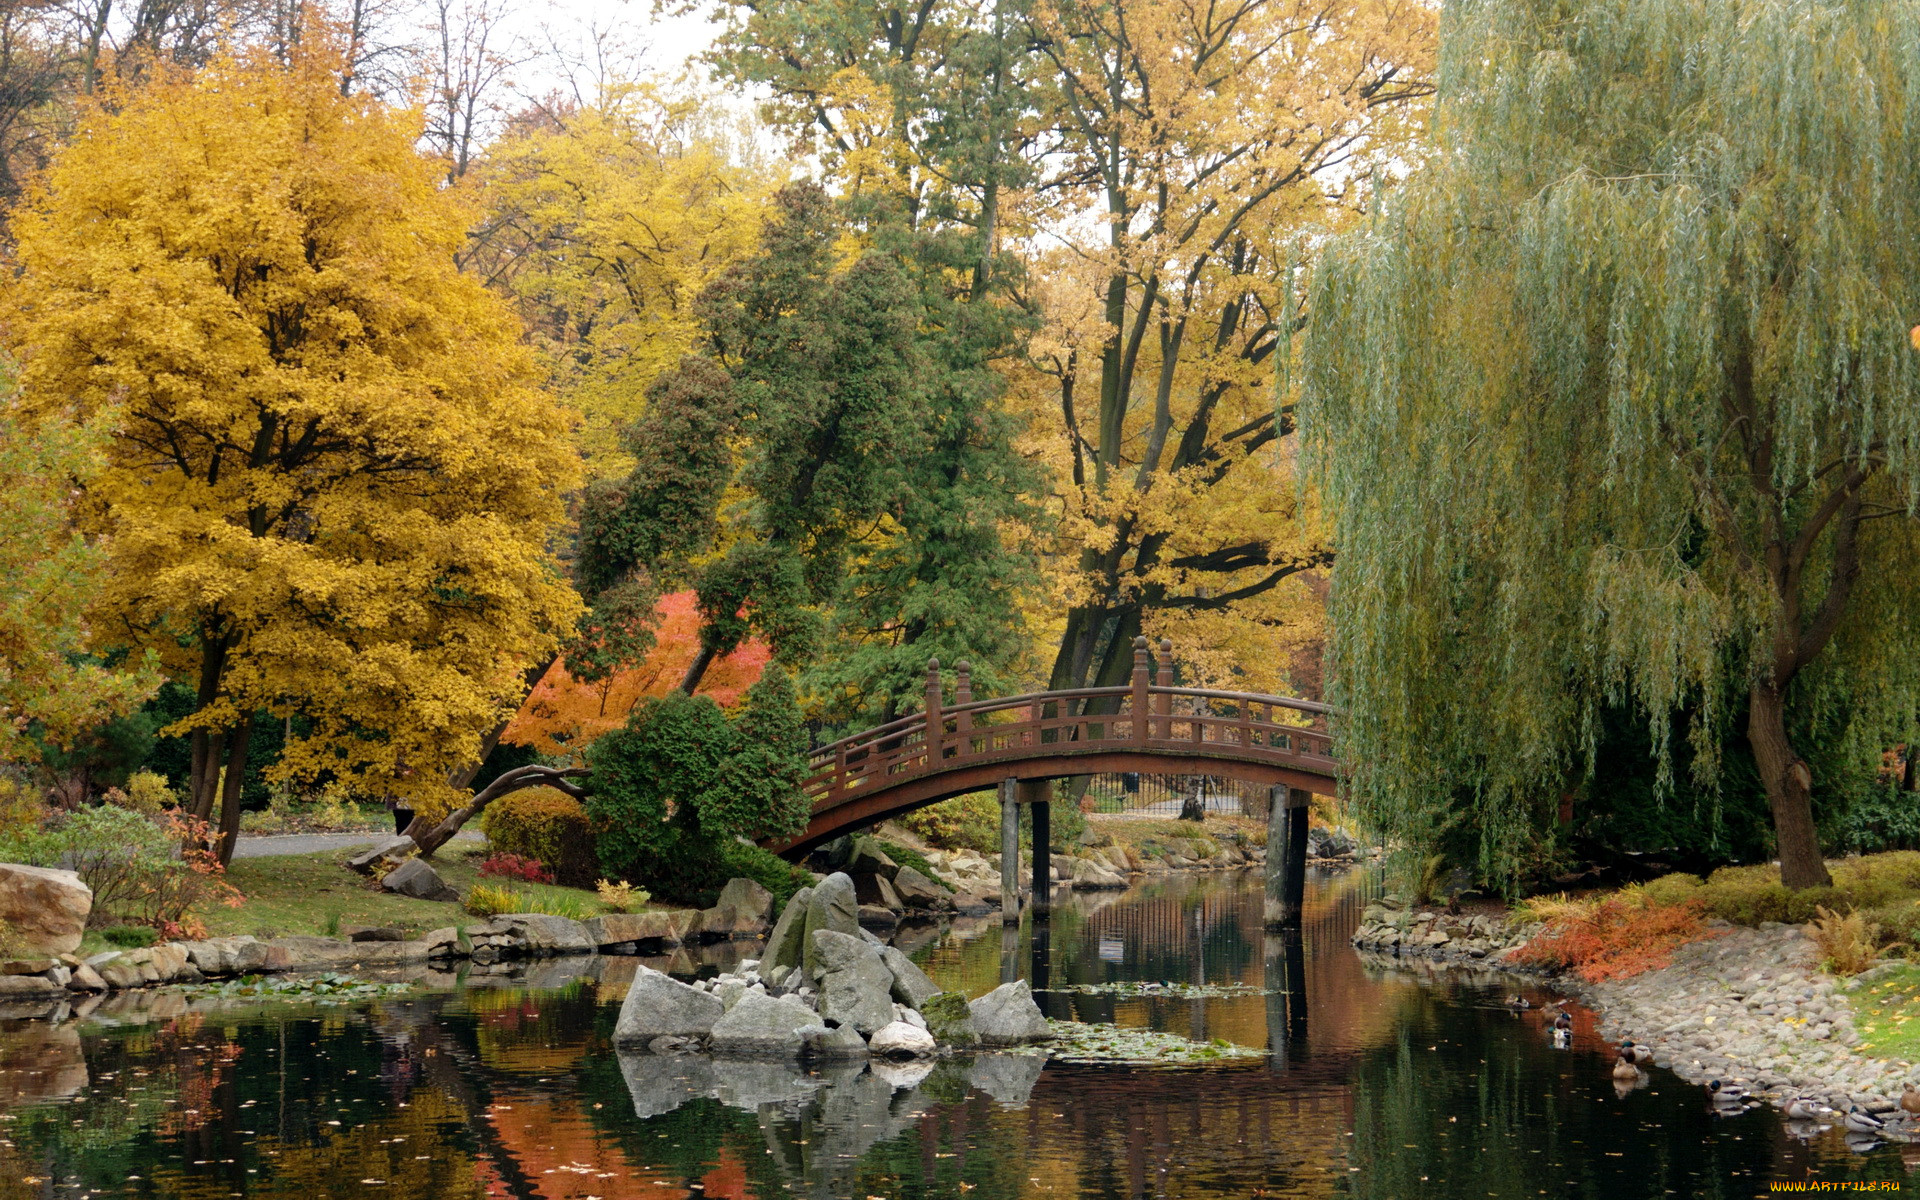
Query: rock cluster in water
x=826 y=990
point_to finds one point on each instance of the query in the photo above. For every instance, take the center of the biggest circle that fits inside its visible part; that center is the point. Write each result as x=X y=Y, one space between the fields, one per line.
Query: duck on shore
x=1910 y=1100
x=1727 y=1095
x=1634 y=1050
x=1859 y=1120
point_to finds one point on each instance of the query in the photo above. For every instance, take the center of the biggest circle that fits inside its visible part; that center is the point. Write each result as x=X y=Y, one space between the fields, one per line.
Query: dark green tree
x=1616 y=404
x=674 y=792
x=851 y=402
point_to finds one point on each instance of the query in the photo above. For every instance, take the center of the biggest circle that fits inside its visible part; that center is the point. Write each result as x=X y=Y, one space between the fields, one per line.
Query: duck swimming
x=1562 y=1022
x=1806 y=1108
x=1727 y=1093
x=1624 y=1070
x=1518 y=1001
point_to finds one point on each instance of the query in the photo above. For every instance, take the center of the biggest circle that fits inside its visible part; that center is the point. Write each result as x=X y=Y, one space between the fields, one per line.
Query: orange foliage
x=1617 y=938
x=562 y=714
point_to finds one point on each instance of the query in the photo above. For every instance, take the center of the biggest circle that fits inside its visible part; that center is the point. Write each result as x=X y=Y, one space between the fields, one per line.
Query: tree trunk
x=235 y=778
x=1789 y=784
x=1911 y=781
x=463 y=776
x=430 y=837
x=696 y=669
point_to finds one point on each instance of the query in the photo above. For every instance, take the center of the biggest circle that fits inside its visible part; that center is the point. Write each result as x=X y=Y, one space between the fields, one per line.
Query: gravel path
x=314 y=843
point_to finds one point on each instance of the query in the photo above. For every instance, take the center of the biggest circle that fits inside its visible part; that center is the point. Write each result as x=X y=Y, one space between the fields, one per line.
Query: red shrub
x=1617 y=938
x=515 y=866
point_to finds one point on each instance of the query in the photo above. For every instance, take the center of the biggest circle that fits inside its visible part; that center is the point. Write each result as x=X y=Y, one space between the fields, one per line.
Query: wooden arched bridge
x=1019 y=742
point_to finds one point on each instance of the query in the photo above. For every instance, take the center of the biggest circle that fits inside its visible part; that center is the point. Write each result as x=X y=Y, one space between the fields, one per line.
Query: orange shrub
x=1617 y=937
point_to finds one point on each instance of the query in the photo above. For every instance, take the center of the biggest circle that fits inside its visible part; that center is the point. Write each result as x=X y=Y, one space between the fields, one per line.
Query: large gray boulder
x=746 y=897
x=856 y=988
x=832 y=907
x=1091 y=876
x=785 y=945
x=668 y=927
x=949 y=1019
x=543 y=934
x=868 y=858
x=392 y=846
x=764 y=1026
x=415 y=878
x=911 y=986
x=835 y=1045
x=897 y=1039
x=917 y=891
x=875 y=890
x=659 y=1006
x=1007 y=1016
x=43 y=909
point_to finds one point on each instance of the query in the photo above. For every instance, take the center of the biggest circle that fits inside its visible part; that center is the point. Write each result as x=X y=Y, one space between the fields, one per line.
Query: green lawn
x=315 y=894
x=1886 y=1013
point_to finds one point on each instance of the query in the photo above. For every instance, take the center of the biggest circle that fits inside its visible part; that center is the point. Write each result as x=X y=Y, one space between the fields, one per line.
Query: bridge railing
x=1202 y=722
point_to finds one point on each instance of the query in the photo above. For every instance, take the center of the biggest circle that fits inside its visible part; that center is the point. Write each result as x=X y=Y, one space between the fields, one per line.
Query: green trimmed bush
x=548 y=825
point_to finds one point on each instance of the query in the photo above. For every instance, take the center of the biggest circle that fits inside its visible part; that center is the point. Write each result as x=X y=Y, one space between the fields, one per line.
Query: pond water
x=1375 y=1080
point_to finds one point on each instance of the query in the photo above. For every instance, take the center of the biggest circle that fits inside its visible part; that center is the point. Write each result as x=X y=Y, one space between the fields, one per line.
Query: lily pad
x=1130 y=989
x=1077 y=1042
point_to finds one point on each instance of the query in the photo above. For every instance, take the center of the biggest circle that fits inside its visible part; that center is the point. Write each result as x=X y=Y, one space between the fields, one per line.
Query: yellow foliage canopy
x=331 y=481
x=604 y=222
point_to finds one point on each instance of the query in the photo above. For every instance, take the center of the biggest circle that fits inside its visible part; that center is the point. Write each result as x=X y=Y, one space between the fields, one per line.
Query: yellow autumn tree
x=331 y=481
x=602 y=222
x=50 y=690
x=1144 y=179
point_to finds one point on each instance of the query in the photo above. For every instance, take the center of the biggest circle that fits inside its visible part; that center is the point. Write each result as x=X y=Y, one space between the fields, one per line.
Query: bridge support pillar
x=1009 y=852
x=1037 y=795
x=1286 y=854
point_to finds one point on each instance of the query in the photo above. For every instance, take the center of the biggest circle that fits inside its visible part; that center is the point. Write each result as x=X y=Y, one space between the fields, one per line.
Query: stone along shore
x=1748 y=1006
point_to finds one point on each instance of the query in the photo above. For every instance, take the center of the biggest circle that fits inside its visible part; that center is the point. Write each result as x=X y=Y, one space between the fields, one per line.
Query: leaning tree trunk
x=1789 y=784
x=430 y=836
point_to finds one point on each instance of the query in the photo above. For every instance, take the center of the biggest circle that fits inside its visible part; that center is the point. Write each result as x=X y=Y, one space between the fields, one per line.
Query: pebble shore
x=1747 y=1006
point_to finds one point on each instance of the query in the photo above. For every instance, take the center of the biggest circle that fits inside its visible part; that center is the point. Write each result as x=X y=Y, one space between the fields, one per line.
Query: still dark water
x=1377 y=1081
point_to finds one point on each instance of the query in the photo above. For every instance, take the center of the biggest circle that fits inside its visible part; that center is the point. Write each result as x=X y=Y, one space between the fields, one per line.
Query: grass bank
x=314 y=894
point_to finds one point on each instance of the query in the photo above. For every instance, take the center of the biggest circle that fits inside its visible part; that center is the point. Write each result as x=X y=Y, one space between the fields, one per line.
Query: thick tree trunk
x=431 y=836
x=235 y=778
x=1789 y=784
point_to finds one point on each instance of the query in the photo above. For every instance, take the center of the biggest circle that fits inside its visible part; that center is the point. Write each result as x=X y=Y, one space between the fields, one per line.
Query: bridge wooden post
x=1009 y=852
x=1286 y=873
x=1142 y=711
x=936 y=720
x=1164 y=677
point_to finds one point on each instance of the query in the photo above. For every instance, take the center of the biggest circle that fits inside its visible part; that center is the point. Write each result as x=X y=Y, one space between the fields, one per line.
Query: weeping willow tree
x=1616 y=403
